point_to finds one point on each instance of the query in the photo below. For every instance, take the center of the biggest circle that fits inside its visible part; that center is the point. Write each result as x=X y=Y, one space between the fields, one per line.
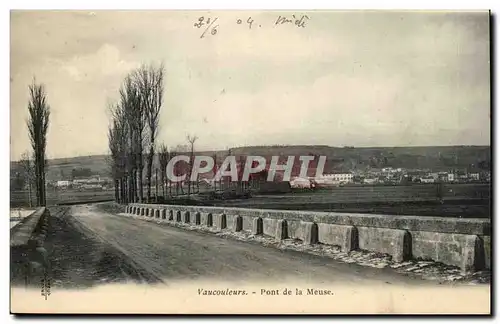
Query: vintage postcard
x=250 y=162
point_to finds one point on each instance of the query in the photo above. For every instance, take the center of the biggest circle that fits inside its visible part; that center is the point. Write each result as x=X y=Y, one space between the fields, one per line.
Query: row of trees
x=165 y=155
x=132 y=137
x=133 y=132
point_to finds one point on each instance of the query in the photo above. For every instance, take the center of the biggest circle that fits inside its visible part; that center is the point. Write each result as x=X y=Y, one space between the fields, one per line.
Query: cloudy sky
x=346 y=78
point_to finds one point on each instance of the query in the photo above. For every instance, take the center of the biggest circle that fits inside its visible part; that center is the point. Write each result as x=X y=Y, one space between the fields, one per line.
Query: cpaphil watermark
x=242 y=171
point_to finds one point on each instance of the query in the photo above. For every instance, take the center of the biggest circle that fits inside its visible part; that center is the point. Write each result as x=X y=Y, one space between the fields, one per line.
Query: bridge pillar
x=257 y=226
x=281 y=230
x=310 y=233
x=208 y=220
x=221 y=221
x=186 y=217
x=237 y=223
x=396 y=242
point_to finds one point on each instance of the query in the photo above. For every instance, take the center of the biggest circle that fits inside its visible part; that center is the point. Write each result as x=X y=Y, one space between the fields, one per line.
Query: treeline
x=132 y=137
x=133 y=130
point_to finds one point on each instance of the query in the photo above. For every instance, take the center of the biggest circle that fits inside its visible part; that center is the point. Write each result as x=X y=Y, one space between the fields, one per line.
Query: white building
x=80 y=181
x=474 y=176
x=337 y=177
x=391 y=170
x=434 y=175
x=63 y=183
x=300 y=183
x=428 y=179
x=370 y=180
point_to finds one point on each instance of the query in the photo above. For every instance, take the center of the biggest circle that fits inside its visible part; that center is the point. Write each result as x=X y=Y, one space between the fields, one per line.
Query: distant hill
x=436 y=158
x=339 y=159
x=62 y=168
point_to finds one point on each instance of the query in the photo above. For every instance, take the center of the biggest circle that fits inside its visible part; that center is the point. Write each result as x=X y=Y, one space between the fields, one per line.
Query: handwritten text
x=209 y=27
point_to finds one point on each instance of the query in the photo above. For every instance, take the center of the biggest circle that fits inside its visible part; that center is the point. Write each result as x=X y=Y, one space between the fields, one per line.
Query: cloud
x=104 y=63
x=78 y=90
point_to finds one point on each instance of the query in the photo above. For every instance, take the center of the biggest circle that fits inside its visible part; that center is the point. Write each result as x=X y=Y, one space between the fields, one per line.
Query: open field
x=453 y=200
x=454 y=208
x=21 y=198
x=409 y=192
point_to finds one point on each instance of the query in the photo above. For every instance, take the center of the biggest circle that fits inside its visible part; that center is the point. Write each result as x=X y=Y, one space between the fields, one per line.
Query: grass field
x=359 y=193
x=471 y=208
x=454 y=200
x=21 y=198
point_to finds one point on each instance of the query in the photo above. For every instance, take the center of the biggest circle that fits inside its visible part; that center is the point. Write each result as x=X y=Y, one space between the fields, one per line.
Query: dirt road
x=90 y=246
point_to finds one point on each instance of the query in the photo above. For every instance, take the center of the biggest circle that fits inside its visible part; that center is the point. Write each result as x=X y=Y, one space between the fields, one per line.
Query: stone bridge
x=465 y=243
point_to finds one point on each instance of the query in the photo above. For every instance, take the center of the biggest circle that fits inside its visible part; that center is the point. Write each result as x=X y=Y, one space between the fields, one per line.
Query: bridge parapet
x=465 y=243
x=27 y=244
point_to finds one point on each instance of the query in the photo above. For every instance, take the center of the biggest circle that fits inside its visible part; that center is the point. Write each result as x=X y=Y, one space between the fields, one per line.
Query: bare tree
x=29 y=172
x=113 y=160
x=156 y=183
x=117 y=140
x=179 y=167
x=241 y=164
x=191 y=139
x=226 y=181
x=215 y=169
x=164 y=158
x=134 y=115
x=173 y=153
x=151 y=86
x=38 y=125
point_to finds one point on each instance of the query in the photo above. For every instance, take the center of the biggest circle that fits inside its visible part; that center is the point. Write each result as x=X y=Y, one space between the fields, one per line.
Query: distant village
x=384 y=176
x=391 y=176
x=94 y=182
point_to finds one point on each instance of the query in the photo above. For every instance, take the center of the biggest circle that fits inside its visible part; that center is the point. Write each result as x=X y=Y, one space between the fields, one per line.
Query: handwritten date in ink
x=209 y=23
x=249 y=22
